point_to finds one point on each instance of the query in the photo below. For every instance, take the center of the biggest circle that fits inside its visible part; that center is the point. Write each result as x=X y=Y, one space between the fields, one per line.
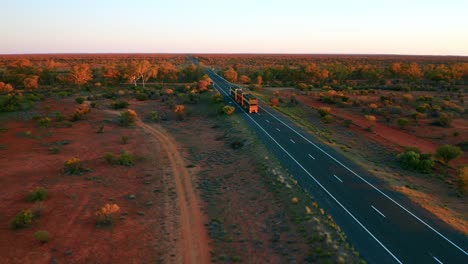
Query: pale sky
x=235 y=26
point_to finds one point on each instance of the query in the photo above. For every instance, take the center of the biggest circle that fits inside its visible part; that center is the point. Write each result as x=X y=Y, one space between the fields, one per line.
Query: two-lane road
x=384 y=226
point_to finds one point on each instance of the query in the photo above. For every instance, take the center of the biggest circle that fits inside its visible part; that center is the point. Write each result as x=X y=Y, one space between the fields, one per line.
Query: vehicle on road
x=245 y=99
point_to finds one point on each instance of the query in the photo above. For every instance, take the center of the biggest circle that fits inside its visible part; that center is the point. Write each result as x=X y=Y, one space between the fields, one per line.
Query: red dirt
x=149 y=225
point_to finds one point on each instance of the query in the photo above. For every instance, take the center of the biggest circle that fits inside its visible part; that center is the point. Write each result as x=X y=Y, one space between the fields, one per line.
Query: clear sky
x=430 y=27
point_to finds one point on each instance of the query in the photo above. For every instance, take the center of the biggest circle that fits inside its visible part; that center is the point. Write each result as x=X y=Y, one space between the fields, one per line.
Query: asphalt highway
x=384 y=226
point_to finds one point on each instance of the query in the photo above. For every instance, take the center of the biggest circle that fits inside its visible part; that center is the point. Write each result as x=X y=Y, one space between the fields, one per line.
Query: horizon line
x=226 y=53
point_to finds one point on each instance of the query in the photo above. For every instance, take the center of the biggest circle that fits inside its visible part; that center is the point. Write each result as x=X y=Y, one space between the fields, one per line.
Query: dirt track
x=194 y=242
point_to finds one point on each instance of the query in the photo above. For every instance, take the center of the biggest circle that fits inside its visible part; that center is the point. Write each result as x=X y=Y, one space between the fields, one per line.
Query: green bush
x=127 y=118
x=217 y=98
x=74 y=166
x=448 y=152
x=54 y=150
x=41 y=236
x=402 y=122
x=141 y=96
x=412 y=159
x=39 y=194
x=327 y=119
x=126 y=158
x=124 y=139
x=79 y=100
x=154 y=116
x=444 y=120
x=22 y=219
x=109 y=158
x=120 y=104
x=43 y=122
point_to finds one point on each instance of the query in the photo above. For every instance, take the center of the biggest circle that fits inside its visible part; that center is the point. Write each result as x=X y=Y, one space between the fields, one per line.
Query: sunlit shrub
x=228 y=110
x=73 y=166
x=106 y=214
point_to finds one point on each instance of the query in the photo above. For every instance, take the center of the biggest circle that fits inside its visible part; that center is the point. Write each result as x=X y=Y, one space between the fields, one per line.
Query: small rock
x=131 y=196
x=140 y=213
x=68 y=252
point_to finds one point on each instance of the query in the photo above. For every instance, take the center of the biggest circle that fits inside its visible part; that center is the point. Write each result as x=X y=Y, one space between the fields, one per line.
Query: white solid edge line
x=377 y=211
x=321 y=186
x=377 y=189
x=338 y=178
x=437 y=260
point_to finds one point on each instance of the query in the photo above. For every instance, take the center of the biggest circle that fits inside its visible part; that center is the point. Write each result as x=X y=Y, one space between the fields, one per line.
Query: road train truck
x=245 y=99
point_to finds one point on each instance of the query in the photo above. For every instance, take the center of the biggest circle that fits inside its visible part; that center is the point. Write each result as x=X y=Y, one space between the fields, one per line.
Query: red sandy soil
x=154 y=227
x=394 y=138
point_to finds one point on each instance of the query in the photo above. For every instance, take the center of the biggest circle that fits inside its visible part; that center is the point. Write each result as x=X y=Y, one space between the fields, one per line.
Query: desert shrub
x=407 y=97
x=43 y=122
x=462 y=180
x=448 y=152
x=22 y=219
x=126 y=158
x=79 y=100
x=73 y=166
x=327 y=118
x=324 y=110
x=402 y=122
x=302 y=86
x=93 y=104
x=217 y=98
x=101 y=129
x=41 y=236
x=80 y=111
x=109 y=158
x=228 y=110
x=274 y=101
x=370 y=121
x=444 y=120
x=106 y=215
x=128 y=117
x=180 y=112
x=124 y=139
x=14 y=102
x=120 y=104
x=141 y=96
x=54 y=150
x=39 y=194
x=412 y=159
x=154 y=116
